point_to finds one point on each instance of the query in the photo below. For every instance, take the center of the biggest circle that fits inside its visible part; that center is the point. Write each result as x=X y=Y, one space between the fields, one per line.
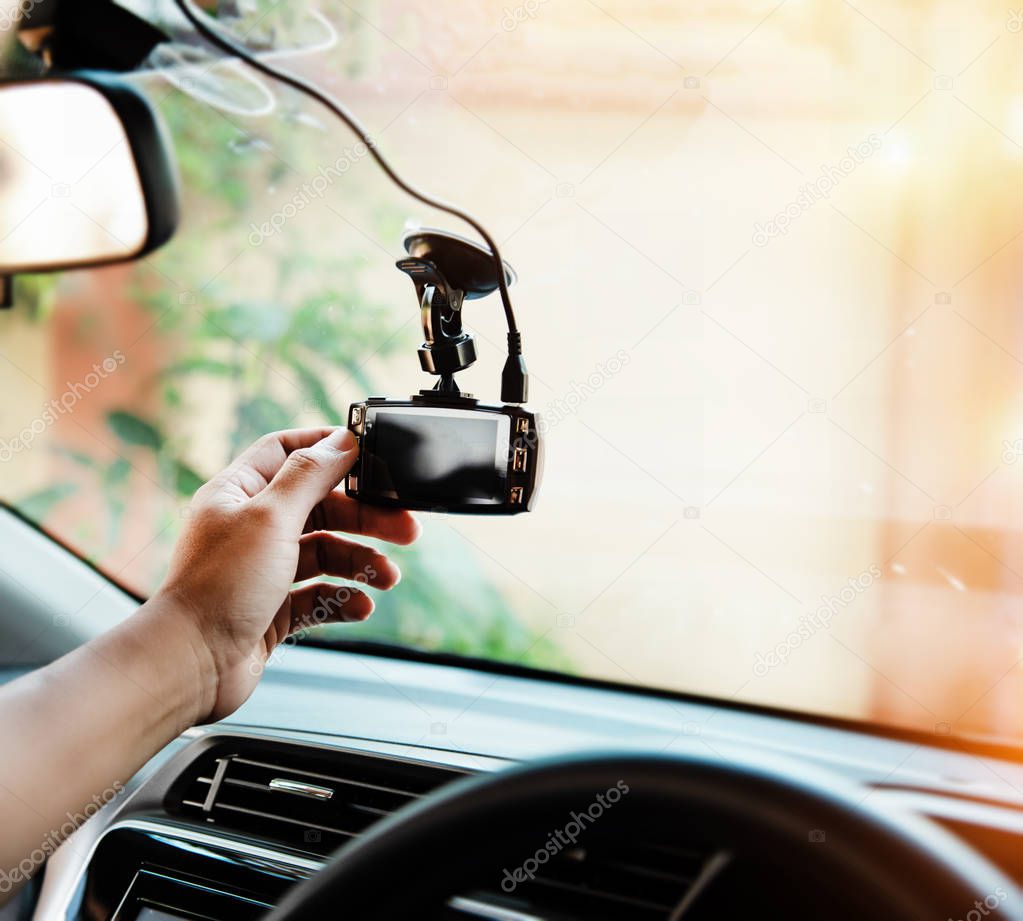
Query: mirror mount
x=72 y=35
x=99 y=34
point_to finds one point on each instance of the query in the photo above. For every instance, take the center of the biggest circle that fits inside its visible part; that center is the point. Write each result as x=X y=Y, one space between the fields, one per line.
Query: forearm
x=76 y=730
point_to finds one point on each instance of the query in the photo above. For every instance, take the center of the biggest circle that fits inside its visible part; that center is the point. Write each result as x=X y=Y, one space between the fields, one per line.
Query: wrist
x=180 y=653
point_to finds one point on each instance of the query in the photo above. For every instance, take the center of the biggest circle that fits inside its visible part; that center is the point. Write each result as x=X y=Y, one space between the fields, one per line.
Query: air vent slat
x=235 y=782
x=255 y=813
x=372 y=810
x=347 y=781
x=603 y=881
x=605 y=895
x=638 y=870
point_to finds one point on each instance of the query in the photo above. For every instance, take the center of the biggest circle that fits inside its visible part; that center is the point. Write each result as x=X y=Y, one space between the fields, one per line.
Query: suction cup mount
x=446 y=270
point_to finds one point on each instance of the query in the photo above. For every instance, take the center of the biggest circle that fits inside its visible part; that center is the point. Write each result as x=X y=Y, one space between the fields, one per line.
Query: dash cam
x=443 y=450
x=452 y=456
x=440 y=450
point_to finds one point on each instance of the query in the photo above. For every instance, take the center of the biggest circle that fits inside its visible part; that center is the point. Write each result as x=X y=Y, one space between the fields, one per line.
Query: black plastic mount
x=447 y=270
x=447 y=347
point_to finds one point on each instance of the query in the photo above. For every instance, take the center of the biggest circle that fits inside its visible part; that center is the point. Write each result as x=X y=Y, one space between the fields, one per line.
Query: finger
x=255 y=467
x=327 y=554
x=323 y=603
x=268 y=454
x=337 y=512
x=310 y=473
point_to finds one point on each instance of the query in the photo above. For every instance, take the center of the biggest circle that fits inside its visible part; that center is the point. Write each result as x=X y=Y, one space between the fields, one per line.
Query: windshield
x=768 y=284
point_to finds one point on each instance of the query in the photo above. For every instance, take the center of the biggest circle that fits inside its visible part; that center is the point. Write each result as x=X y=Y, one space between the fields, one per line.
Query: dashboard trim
x=306 y=865
x=84 y=848
x=935 y=784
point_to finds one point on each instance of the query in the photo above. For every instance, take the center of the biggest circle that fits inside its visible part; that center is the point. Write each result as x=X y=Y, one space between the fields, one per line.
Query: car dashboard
x=227 y=818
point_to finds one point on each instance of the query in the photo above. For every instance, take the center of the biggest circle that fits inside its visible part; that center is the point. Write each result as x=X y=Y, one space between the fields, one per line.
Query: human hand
x=269 y=520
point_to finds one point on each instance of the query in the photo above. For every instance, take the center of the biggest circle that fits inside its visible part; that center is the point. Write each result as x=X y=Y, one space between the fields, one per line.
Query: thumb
x=309 y=474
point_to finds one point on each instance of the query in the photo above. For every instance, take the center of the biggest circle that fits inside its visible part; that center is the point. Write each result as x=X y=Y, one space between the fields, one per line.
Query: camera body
x=445 y=453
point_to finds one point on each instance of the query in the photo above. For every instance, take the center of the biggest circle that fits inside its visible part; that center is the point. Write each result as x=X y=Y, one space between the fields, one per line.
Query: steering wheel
x=811 y=828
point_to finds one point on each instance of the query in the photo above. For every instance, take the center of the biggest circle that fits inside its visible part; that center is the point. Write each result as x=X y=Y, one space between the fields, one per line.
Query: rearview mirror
x=85 y=174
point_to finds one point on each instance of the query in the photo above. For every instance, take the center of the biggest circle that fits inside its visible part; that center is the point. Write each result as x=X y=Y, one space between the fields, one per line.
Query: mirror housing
x=86 y=175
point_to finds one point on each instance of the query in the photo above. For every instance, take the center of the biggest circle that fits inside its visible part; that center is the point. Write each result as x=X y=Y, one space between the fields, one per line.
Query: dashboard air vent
x=315 y=799
x=312 y=799
x=610 y=880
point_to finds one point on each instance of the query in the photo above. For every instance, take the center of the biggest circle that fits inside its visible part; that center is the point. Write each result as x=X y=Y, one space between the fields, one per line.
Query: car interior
x=728 y=624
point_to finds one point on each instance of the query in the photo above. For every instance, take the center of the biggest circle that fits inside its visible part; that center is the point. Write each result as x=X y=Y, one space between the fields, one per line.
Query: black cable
x=230 y=46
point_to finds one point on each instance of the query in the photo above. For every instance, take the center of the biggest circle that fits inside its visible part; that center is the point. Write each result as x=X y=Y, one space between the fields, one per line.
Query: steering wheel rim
x=453 y=839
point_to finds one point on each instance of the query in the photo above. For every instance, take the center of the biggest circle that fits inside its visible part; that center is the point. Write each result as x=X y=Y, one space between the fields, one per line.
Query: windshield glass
x=768 y=284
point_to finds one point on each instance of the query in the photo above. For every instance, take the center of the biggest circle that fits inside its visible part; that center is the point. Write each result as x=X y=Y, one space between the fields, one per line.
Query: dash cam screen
x=438 y=455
